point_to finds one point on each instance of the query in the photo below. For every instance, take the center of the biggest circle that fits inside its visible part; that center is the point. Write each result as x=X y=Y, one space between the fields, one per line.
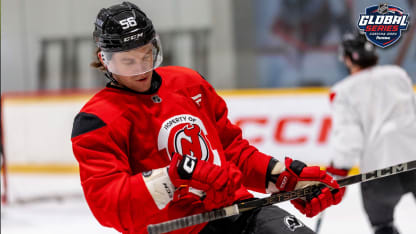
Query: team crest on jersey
x=383 y=24
x=187 y=135
x=191 y=141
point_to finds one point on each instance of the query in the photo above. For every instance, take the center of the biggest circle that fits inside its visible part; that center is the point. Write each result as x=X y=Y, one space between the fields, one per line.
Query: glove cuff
x=274 y=169
x=283 y=176
x=294 y=166
x=270 y=168
x=159 y=186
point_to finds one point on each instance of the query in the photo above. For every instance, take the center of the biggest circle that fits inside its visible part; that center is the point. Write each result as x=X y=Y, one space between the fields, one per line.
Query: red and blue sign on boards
x=382 y=24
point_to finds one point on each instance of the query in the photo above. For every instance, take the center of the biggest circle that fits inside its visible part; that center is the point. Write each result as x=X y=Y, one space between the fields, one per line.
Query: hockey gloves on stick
x=294 y=174
x=219 y=183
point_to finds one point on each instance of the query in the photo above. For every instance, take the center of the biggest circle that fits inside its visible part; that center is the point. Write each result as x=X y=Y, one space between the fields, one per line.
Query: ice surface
x=72 y=215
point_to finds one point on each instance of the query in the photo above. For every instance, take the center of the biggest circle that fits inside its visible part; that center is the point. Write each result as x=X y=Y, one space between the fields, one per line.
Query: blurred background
x=258 y=53
x=47 y=44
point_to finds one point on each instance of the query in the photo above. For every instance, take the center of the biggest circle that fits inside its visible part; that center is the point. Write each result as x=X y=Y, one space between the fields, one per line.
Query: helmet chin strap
x=109 y=75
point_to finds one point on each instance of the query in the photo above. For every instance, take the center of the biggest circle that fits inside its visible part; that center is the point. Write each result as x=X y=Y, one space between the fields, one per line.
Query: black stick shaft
x=272 y=199
x=319 y=222
x=376 y=174
x=193 y=220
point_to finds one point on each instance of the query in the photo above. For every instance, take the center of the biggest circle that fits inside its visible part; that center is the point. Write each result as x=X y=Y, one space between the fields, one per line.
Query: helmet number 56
x=127 y=23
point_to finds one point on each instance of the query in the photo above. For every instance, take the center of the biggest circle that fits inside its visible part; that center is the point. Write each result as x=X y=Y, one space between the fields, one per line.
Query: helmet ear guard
x=102 y=58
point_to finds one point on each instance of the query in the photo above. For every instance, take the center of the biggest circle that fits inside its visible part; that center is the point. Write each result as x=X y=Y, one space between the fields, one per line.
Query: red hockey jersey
x=120 y=134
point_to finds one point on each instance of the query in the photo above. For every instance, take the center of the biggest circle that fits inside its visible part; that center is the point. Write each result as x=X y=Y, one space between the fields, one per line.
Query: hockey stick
x=319 y=222
x=272 y=199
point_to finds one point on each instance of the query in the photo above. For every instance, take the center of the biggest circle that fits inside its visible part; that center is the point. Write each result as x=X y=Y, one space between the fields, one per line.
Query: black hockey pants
x=267 y=220
x=381 y=196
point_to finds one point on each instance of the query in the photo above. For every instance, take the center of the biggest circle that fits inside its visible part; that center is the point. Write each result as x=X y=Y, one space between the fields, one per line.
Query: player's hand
x=323 y=198
x=338 y=173
x=219 y=183
x=313 y=207
x=295 y=174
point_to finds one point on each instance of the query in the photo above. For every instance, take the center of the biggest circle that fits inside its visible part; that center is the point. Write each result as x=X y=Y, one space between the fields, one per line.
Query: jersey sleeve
x=252 y=163
x=347 y=137
x=114 y=195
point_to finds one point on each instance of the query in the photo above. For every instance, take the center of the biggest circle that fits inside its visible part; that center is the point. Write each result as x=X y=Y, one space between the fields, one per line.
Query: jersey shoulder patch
x=86 y=122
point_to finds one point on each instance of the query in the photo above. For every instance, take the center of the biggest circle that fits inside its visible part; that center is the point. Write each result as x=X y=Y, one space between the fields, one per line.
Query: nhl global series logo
x=382 y=24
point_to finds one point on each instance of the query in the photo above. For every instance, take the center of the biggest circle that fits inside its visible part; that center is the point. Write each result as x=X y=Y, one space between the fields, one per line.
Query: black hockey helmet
x=123 y=28
x=356 y=47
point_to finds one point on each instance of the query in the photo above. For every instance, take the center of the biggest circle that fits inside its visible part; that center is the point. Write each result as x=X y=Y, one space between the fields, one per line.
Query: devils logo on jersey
x=189 y=141
x=187 y=135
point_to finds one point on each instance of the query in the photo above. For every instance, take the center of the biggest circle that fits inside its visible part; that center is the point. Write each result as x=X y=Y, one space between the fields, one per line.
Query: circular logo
x=187 y=135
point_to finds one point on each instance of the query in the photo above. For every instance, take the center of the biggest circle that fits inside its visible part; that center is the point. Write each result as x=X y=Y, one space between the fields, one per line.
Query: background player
x=149 y=151
x=374 y=120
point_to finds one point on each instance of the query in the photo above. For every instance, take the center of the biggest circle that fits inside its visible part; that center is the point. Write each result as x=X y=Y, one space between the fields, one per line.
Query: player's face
x=132 y=62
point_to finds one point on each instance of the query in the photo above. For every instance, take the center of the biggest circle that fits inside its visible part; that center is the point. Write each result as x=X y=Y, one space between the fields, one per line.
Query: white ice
x=72 y=215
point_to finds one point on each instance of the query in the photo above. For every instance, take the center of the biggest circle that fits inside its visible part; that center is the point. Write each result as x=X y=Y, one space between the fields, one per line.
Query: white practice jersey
x=374 y=119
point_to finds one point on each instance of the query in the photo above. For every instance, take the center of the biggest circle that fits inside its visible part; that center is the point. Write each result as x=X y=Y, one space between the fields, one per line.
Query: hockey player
x=374 y=121
x=156 y=144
